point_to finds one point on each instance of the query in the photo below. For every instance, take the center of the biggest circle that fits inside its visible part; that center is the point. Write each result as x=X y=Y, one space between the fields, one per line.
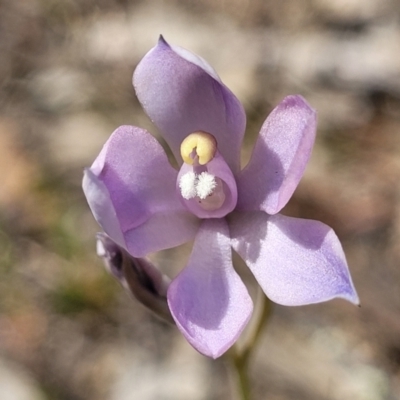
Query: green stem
x=255 y=336
x=240 y=365
x=240 y=360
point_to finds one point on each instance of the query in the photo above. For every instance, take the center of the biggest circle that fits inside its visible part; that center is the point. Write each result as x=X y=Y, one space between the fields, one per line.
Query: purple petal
x=295 y=261
x=279 y=158
x=208 y=300
x=131 y=190
x=102 y=207
x=182 y=94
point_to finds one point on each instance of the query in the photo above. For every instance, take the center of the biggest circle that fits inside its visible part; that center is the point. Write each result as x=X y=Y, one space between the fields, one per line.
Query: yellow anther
x=204 y=146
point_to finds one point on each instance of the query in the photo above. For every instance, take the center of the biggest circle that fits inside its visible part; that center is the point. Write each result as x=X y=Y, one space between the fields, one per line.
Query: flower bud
x=137 y=275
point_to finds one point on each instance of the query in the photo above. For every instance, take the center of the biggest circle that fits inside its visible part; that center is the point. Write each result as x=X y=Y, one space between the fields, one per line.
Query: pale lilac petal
x=182 y=94
x=132 y=184
x=279 y=158
x=102 y=207
x=295 y=261
x=218 y=168
x=162 y=230
x=208 y=300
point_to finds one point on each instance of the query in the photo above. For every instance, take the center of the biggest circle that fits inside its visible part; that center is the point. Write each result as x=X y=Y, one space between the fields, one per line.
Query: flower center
x=198 y=149
x=205 y=182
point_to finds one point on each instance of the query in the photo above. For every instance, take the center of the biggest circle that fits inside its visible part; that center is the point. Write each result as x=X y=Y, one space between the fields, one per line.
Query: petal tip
x=210 y=348
x=162 y=41
x=353 y=298
x=297 y=100
x=207 y=341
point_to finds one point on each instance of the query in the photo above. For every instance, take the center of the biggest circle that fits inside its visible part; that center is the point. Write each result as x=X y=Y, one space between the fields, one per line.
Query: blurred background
x=67 y=329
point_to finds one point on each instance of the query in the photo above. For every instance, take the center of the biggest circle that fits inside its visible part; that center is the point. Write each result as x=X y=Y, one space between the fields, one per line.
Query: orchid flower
x=145 y=205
